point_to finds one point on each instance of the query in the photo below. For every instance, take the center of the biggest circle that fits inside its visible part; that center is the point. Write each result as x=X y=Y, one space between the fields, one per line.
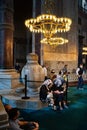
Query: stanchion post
x=25 y=97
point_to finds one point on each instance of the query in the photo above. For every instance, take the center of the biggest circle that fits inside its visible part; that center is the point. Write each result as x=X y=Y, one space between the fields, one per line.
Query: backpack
x=43 y=93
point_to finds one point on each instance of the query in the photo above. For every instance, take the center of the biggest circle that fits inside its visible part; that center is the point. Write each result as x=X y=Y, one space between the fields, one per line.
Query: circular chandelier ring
x=46 y=22
x=54 y=41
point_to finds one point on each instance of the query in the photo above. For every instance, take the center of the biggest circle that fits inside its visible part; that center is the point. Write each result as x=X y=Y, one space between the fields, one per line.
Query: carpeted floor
x=73 y=118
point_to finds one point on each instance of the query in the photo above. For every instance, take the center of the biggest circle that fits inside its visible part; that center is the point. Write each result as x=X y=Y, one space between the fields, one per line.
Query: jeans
x=80 y=82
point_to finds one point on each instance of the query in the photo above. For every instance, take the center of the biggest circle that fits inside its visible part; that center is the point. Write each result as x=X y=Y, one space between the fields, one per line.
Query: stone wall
x=58 y=65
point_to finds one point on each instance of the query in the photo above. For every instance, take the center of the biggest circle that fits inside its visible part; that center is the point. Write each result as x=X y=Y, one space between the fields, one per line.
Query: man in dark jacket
x=79 y=73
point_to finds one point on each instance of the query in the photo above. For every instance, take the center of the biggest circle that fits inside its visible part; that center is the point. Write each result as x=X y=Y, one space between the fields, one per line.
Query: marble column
x=6 y=34
x=7 y=73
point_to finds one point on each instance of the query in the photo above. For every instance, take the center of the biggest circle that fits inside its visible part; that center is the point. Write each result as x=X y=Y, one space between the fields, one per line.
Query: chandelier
x=48 y=25
x=54 y=41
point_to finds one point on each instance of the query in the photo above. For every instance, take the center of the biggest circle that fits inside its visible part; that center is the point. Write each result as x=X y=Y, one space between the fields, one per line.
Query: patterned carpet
x=73 y=118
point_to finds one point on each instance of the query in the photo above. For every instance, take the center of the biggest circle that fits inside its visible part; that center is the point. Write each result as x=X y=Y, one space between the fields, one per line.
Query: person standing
x=65 y=73
x=17 y=67
x=79 y=73
x=64 y=70
x=52 y=73
x=45 y=72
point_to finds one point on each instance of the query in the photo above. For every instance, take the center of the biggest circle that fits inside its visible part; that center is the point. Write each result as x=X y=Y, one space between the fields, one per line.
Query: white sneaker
x=61 y=108
x=54 y=108
x=51 y=105
x=65 y=106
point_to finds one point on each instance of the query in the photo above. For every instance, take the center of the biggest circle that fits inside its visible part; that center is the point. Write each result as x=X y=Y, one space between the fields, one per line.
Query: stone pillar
x=7 y=74
x=6 y=34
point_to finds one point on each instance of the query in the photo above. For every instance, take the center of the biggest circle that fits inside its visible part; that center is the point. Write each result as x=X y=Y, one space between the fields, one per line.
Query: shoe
x=61 y=108
x=50 y=105
x=54 y=108
x=65 y=106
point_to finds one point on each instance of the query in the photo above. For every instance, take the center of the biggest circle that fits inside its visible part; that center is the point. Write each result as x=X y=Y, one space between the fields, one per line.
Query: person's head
x=44 y=65
x=7 y=107
x=54 y=77
x=13 y=113
x=65 y=66
x=81 y=65
x=60 y=72
x=16 y=63
x=53 y=71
